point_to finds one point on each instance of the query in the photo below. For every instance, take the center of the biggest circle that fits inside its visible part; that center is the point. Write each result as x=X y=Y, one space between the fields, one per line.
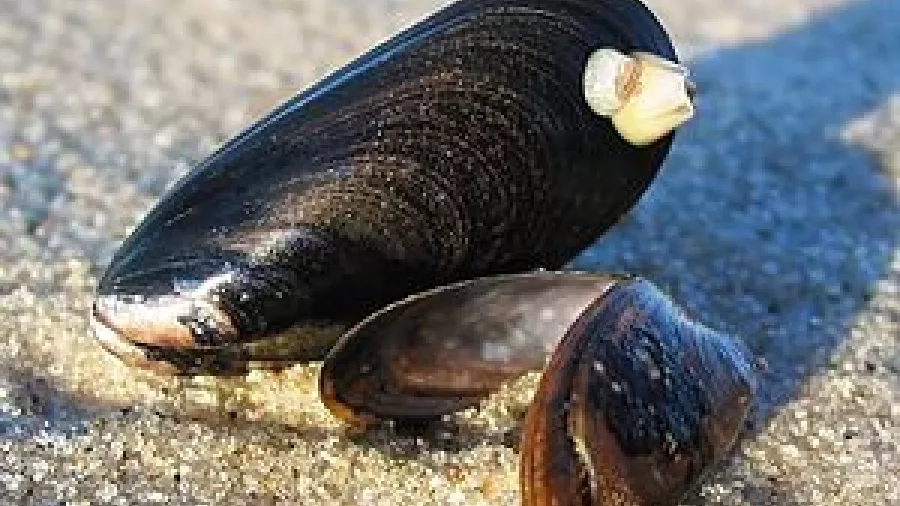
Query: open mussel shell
x=462 y=147
x=635 y=403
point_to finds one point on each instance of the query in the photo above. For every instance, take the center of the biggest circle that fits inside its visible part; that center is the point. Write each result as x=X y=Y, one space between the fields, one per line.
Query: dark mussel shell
x=462 y=147
x=634 y=405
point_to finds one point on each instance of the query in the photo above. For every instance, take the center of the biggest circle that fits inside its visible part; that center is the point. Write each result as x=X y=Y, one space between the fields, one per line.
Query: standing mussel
x=493 y=138
x=468 y=145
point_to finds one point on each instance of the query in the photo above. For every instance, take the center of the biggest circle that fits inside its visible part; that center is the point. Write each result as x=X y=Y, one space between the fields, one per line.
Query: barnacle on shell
x=645 y=96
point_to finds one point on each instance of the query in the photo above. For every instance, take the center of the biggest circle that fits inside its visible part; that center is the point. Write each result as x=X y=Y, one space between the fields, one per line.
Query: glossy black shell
x=460 y=148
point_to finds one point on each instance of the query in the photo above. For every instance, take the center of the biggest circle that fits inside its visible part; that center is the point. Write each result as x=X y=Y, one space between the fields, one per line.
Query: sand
x=777 y=218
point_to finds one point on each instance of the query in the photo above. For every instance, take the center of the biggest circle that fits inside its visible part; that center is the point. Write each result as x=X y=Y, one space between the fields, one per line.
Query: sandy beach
x=776 y=218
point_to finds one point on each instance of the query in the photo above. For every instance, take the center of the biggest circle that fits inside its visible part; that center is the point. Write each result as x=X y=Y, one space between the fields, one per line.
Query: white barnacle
x=646 y=97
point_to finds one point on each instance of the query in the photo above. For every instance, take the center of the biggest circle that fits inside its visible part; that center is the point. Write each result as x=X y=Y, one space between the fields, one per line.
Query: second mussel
x=635 y=404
